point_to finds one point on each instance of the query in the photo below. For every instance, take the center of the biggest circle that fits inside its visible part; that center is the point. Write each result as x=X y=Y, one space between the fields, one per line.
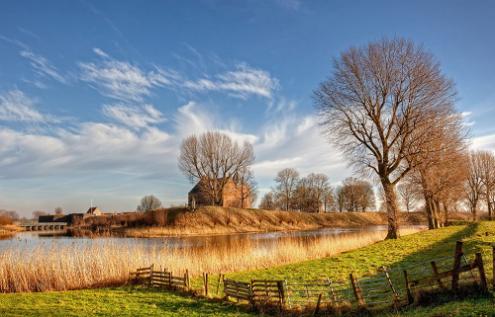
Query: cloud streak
x=42 y=66
x=122 y=80
x=241 y=82
x=17 y=106
x=134 y=117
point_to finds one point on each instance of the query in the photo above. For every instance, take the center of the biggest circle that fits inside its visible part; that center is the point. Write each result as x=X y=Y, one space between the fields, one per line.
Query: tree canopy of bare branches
x=487 y=172
x=215 y=158
x=287 y=180
x=474 y=183
x=408 y=193
x=149 y=203
x=355 y=195
x=440 y=166
x=312 y=193
x=268 y=201
x=375 y=104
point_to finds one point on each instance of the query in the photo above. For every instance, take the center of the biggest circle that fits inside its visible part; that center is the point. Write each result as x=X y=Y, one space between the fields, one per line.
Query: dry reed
x=101 y=262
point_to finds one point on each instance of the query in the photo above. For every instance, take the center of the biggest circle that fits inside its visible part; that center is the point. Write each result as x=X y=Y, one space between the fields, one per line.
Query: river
x=261 y=239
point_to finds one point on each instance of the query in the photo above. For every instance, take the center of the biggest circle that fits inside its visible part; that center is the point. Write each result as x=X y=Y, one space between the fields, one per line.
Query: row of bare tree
x=480 y=184
x=390 y=109
x=355 y=195
x=313 y=193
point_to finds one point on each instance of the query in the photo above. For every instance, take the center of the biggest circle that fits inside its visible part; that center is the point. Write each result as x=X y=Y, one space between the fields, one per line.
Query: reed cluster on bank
x=107 y=262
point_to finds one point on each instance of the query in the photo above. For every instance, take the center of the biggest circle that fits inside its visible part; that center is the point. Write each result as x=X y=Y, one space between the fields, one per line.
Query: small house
x=233 y=195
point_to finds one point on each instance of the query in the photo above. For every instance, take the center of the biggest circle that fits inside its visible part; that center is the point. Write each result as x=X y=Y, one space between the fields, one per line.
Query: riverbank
x=217 y=220
x=414 y=249
x=7 y=231
x=89 y=263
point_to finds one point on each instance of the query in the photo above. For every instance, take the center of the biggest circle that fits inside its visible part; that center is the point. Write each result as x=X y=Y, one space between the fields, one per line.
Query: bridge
x=45 y=226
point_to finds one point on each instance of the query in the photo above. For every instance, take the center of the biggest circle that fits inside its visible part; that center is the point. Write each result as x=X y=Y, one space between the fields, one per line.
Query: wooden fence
x=388 y=288
x=238 y=290
x=160 y=279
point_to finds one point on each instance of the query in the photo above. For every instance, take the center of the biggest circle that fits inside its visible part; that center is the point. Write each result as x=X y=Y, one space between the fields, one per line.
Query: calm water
x=33 y=240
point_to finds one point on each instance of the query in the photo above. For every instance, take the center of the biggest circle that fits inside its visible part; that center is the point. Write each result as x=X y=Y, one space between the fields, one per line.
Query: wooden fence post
x=410 y=297
x=220 y=279
x=318 y=303
x=205 y=283
x=188 y=286
x=281 y=293
x=436 y=275
x=151 y=275
x=493 y=270
x=457 y=265
x=357 y=292
x=481 y=269
x=394 y=291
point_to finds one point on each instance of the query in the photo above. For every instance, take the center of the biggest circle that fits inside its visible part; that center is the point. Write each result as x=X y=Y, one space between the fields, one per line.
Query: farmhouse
x=233 y=195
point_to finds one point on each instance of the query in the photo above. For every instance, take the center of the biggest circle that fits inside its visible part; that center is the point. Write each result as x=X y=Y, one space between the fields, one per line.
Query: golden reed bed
x=55 y=266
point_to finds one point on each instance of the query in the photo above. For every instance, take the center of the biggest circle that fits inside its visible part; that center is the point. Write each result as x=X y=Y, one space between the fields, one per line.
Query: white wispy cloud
x=241 y=82
x=42 y=66
x=192 y=119
x=17 y=106
x=122 y=80
x=134 y=116
x=484 y=142
x=100 y=52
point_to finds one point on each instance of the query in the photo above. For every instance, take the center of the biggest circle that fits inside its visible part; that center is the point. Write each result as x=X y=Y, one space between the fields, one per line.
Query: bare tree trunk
x=391 y=201
x=446 y=212
x=429 y=209
x=489 y=205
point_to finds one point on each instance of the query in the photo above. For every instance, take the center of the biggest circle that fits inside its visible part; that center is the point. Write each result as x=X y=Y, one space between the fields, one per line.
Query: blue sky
x=95 y=96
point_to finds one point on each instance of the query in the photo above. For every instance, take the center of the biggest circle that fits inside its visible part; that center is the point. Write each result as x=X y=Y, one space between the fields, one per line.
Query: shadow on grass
x=418 y=266
x=186 y=304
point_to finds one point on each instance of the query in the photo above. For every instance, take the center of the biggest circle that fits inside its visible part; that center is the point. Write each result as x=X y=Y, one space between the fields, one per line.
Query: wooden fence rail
x=238 y=290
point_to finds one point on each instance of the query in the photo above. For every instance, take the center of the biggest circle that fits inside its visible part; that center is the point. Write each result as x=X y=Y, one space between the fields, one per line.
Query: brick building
x=233 y=195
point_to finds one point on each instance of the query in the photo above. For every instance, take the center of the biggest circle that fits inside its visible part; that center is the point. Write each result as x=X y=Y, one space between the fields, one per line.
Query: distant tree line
x=313 y=193
x=8 y=217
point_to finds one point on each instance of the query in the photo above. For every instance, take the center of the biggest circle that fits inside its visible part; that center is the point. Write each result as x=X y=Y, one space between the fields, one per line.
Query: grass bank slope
x=217 y=220
x=416 y=249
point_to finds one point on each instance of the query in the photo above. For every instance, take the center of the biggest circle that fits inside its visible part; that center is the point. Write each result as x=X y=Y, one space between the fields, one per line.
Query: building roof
x=92 y=210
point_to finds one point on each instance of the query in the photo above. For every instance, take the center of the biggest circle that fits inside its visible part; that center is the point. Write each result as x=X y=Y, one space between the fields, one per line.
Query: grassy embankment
x=415 y=249
x=216 y=220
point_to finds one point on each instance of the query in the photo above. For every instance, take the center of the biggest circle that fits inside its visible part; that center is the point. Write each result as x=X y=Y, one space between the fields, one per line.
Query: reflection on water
x=33 y=240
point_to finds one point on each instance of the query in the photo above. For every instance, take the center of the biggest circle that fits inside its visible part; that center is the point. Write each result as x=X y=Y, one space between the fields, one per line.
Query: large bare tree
x=287 y=181
x=374 y=106
x=474 y=183
x=214 y=158
x=487 y=166
x=440 y=165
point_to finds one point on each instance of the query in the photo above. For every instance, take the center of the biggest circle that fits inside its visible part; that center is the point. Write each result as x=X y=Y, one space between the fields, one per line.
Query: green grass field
x=411 y=250
x=415 y=250
x=111 y=302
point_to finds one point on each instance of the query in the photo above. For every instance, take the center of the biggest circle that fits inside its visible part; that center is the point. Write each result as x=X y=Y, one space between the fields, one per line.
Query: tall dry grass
x=107 y=262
